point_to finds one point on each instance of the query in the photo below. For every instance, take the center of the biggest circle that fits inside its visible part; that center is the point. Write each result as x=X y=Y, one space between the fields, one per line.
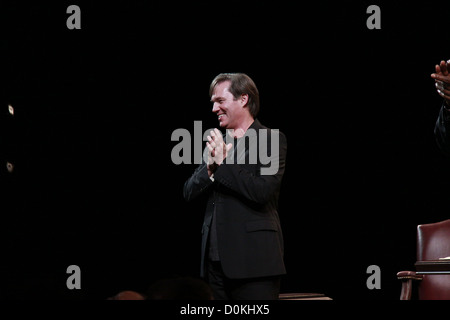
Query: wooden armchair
x=433 y=242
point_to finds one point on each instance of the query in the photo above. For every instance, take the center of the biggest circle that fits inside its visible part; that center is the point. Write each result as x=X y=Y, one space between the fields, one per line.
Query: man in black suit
x=242 y=242
x=442 y=128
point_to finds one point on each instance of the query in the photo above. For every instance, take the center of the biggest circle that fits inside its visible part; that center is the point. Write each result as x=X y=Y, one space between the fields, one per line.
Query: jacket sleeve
x=256 y=188
x=198 y=183
x=442 y=131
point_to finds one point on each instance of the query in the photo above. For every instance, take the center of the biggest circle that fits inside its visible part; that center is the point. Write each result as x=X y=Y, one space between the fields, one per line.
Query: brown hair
x=240 y=84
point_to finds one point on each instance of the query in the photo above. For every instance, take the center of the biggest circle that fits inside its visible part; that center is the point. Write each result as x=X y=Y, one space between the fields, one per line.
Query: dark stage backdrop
x=94 y=185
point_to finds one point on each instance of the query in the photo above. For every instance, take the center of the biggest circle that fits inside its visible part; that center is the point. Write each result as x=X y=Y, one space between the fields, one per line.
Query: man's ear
x=244 y=99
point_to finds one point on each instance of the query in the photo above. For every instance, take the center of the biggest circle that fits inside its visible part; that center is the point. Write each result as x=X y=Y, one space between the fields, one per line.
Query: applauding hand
x=217 y=150
x=442 y=80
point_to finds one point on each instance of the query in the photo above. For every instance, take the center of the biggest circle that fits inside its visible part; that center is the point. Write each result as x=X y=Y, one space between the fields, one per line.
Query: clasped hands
x=217 y=150
x=442 y=80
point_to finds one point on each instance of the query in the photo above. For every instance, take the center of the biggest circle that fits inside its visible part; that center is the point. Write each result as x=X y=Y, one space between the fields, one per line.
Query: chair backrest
x=127 y=295
x=433 y=242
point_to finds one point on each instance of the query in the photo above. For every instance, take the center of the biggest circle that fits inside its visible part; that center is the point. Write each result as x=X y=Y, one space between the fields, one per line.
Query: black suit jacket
x=442 y=130
x=245 y=205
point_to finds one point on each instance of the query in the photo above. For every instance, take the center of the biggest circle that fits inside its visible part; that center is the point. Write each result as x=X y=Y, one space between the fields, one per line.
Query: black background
x=94 y=184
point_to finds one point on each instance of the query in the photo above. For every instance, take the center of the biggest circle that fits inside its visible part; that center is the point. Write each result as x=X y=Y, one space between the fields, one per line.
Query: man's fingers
x=212 y=142
x=442 y=70
x=226 y=148
x=211 y=149
x=439 y=85
x=444 y=93
x=443 y=67
x=440 y=77
x=216 y=145
x=217 y=135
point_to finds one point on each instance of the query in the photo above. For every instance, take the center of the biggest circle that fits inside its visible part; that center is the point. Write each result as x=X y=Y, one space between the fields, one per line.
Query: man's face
x=228 y=110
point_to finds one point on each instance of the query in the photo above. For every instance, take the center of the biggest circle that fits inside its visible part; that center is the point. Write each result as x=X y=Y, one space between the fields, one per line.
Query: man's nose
x=215 y=108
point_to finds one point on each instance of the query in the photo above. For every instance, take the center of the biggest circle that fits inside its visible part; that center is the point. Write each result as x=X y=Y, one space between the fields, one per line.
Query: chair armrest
x=407 y=277
x=404 y=275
